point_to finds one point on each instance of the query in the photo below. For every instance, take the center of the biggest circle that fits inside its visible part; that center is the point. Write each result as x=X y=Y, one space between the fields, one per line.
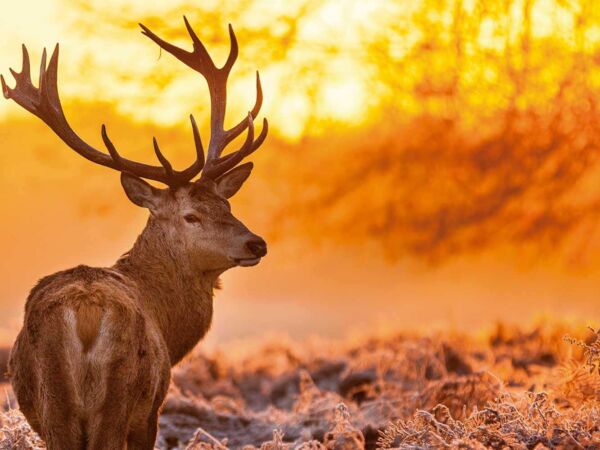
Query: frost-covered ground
x=511 y=388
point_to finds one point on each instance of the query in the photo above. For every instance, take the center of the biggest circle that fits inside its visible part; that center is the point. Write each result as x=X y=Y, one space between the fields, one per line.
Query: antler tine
x=114 y=154
x=235 y=131
x=23 y=82
x=261 y=137
x=25 y=70
x=233 y=53
x=179 y=53
x=199 y=48
x=197 y=143
x=198 y=165
x=222 y=165
x=42 y=80
x=4 y=86
x=218 y=166
x=50 y=87
x=229 y=161
x=163 y=161
x=199 y=59
x=48 y=84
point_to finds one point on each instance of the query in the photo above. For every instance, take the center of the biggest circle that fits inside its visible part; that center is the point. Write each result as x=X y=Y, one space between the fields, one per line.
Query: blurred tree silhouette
x=479 y=125
x=487 y=133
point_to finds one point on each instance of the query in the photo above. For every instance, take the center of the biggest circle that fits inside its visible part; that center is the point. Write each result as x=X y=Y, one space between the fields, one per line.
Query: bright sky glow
x=104 y=57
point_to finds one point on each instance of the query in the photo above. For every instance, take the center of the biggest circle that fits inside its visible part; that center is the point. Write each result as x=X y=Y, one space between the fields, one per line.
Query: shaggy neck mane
x=178 y=296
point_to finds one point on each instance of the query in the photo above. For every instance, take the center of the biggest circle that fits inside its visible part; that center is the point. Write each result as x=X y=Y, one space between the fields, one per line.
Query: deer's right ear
x=140 y=192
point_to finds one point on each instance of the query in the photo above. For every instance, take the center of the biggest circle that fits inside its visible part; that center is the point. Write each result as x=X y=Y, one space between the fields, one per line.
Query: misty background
x=430 y=163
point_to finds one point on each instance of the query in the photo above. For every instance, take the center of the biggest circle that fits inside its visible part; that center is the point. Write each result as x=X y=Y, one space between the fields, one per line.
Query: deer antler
x=44 y=102
x=216 y=78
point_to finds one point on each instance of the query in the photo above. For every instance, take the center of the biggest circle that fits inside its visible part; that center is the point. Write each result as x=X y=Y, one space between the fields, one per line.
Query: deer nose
x=257 y=246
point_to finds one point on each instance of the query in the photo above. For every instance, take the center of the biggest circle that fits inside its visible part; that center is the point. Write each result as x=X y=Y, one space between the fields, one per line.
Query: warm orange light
x=336 y=42
x=392 y=122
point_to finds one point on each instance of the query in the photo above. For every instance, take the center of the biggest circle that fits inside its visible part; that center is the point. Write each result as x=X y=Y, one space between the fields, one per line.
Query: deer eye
x=223 y=224
x=191 y=218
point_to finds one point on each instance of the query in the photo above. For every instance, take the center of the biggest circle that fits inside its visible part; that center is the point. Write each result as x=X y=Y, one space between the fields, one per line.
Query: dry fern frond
x=591 y=350
x=16 y=434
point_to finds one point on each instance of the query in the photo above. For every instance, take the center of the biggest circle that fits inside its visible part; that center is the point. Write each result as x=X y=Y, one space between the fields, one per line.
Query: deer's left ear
x=231 y=182
x=140 y=192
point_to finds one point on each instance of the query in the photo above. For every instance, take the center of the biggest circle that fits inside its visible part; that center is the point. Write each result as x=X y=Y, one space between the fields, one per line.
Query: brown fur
x=91 y=366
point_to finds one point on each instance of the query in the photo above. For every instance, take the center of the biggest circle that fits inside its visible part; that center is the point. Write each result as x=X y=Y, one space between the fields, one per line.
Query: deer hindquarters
x=89 y=369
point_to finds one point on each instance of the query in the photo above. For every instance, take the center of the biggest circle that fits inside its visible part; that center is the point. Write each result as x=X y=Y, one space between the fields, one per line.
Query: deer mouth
x=247 y=262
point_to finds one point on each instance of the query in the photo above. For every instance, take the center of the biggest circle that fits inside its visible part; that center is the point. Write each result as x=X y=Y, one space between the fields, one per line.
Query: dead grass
x=511 y=388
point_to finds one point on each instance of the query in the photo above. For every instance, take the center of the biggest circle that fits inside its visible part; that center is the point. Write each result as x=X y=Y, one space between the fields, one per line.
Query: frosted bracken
x=512 y=388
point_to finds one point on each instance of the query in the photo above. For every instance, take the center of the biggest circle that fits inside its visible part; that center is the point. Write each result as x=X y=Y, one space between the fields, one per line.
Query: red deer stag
x=91 y=366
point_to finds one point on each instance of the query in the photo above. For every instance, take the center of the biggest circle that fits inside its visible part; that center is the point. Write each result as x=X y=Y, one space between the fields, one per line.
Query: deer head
x=192 y=215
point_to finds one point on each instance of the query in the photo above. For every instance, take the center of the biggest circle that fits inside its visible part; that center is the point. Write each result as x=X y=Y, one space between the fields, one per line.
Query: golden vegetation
x=509 y=388
x=485 y=133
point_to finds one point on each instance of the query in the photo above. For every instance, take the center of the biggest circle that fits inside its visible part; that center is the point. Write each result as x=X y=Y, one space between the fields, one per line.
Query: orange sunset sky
x=430 y=163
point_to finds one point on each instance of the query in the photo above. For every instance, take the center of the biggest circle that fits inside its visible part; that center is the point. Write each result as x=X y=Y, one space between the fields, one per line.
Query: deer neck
x=177 y=296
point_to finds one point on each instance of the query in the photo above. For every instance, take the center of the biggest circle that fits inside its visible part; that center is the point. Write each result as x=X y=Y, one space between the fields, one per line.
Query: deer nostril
x=258 y=247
